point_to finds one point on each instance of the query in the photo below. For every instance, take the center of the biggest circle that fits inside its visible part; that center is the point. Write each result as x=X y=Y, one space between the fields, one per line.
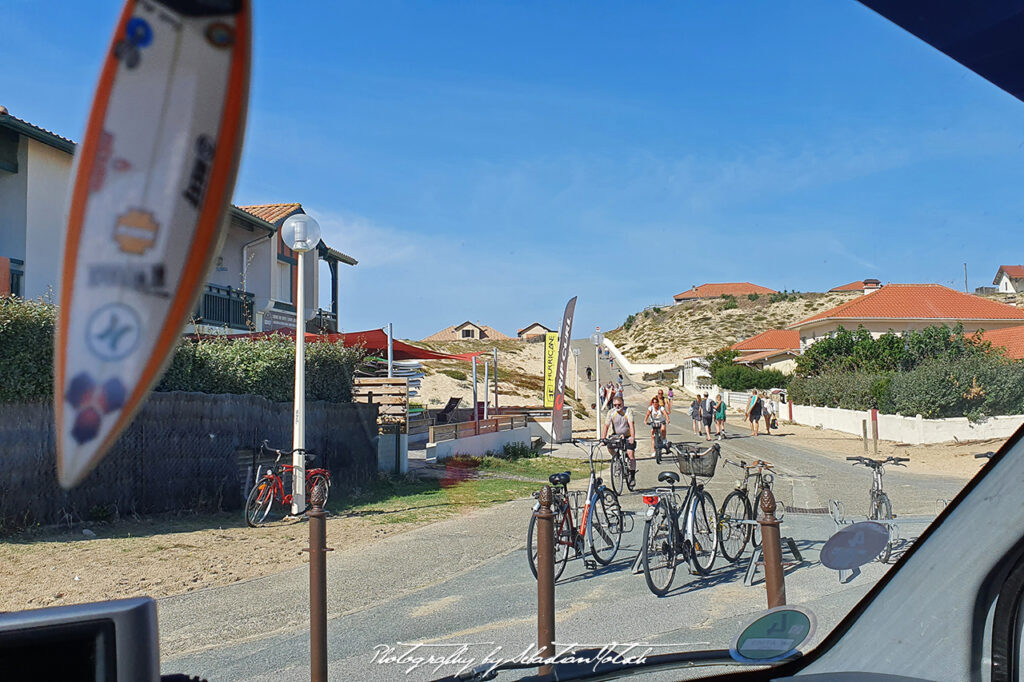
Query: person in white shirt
x=657 y=419
x=768 y=411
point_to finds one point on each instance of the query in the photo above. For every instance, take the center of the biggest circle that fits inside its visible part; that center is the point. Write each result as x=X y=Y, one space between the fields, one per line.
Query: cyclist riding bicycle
x=620 y=419
x=657 y=419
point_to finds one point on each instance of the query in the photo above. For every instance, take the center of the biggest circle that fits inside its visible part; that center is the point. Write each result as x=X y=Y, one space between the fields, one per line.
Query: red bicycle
x=270 y=486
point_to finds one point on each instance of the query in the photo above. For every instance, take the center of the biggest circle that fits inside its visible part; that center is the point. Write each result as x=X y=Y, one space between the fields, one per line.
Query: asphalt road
x=467 y=582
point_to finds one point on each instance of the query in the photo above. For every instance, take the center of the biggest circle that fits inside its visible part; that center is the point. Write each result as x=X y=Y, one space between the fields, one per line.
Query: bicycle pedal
x=590 y=564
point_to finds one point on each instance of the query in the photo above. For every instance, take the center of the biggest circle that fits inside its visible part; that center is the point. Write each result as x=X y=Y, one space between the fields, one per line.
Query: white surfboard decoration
x=152 y=178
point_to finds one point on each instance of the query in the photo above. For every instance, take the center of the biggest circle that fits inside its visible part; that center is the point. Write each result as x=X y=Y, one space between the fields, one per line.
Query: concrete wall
x=386 y=453
x=49 y=177
x=13 y=191
x=635 y=368
x=913 y=430
x=477 y=445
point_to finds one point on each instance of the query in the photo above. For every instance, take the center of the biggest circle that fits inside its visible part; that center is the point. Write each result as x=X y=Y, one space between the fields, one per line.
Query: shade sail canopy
x=986 y=37
x=375 y=341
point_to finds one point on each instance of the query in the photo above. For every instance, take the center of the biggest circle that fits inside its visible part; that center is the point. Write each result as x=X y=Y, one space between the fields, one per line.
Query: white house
x=772 y=349
x=906 y=307
x=1009 y=279
x=250 y=284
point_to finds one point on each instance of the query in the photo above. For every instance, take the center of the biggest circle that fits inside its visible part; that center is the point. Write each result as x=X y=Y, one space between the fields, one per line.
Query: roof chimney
x=871 y=285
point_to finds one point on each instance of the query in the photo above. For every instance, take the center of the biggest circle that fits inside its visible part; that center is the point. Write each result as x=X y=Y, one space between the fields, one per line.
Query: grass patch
x=454 y=374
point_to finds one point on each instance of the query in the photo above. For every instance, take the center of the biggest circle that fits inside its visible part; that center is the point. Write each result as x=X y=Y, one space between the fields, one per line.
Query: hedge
x=264 y=367
x=975 y=387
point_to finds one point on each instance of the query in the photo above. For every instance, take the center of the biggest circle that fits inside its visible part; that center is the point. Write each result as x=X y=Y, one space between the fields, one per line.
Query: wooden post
x=545 y=579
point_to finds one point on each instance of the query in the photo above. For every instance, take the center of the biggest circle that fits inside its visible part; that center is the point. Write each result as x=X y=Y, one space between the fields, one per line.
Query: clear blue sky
x=488 y=160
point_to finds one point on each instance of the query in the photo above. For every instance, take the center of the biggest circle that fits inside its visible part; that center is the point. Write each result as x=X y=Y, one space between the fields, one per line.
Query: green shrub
x=26 y=350
x=744 y=378
x=264 y=367
x=629 y=321
x=730 y=304
x=753 y=297
x=456 y=374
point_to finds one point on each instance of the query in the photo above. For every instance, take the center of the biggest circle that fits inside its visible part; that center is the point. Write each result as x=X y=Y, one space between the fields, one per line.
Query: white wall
x=13 y=191
x=878 y=328
x=477 y=445
x=637 y=368
x=913 y=430
x=49 y=177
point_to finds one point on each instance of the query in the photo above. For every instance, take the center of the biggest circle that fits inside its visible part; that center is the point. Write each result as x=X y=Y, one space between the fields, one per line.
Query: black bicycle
x=687 y=530
x=880 y=508
x=619 y=468
x=737 y=520
x=660 y=444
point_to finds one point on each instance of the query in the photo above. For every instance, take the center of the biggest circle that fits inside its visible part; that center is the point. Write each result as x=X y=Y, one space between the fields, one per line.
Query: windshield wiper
x=602 y=671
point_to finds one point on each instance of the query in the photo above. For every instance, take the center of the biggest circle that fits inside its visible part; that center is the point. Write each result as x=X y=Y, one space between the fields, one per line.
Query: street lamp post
x=301 y=233
x=597 y=338
x=576 y=367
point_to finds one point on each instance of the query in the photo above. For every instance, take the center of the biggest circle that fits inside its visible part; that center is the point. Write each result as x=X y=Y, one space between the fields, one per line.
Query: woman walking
x=768 y=410
x=707 y=415
x=720 y=418
x=753 y=412
x=695 y=414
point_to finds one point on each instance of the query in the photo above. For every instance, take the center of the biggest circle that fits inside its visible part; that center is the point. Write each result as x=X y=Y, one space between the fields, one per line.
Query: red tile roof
x=917 y=302
x=451 y=333
x=773 y=339
x=1012 y=271
x=723 y=289
x=852 y=286
x=1010 y=338
x=272 y=212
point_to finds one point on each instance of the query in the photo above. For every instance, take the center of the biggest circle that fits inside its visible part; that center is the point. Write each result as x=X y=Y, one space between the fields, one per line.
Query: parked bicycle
x=598 y=514
x=737 y=520
x=270 y=486
x=879 y=507
x=687 y=530
x=619 y=468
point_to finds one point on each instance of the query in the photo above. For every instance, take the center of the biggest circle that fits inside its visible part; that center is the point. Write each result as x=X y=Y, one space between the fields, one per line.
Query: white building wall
x=877 y=328
x=48 y=182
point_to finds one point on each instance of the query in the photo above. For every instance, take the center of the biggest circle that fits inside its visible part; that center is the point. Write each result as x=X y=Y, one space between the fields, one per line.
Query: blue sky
x=487 y=161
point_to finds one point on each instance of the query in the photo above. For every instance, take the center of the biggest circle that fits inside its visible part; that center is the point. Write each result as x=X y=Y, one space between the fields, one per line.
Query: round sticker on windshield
x=774 y=635
x=854 y=545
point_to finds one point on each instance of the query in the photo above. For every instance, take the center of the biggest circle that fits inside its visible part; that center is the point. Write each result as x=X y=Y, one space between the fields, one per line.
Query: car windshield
x=436 y=225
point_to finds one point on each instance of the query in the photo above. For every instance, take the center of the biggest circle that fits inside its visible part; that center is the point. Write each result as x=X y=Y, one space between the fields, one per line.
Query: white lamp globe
x=301 y=233
x=597 y=339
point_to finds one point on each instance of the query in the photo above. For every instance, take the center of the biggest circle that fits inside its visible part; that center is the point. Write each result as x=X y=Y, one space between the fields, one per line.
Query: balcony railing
x=325 y=322
x=17 y=277
x=225 y=306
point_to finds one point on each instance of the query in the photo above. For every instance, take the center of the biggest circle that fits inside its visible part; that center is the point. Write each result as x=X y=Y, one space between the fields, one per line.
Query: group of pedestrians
x=609 y=392
x=707 y=412
x=760 y=406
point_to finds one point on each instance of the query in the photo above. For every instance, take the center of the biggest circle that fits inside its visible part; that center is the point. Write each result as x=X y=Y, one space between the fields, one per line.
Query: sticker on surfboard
x=152 y=179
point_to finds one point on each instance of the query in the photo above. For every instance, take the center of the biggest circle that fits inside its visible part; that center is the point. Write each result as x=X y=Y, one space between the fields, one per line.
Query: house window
x=283 y=282
x=467 y=333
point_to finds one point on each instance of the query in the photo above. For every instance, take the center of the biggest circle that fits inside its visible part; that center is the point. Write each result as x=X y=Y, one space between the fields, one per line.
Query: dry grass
x=699 y=327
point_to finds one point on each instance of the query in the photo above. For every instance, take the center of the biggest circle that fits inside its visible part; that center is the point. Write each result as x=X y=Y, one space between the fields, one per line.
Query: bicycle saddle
x=560 y=479
x=667 y=476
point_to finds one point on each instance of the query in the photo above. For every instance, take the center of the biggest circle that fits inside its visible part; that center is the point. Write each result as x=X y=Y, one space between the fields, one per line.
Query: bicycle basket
x=693 y=464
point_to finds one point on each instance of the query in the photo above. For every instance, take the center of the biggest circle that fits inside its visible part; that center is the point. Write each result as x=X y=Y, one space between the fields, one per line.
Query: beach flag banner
x=564 y=336
x=151 y=181
x=550 y=367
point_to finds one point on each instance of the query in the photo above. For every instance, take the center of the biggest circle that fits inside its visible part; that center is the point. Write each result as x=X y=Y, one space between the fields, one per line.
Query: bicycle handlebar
x=867 y=461
x=281 y=453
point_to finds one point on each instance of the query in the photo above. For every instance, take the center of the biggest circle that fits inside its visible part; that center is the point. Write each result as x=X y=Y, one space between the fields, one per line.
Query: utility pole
x=965 y=279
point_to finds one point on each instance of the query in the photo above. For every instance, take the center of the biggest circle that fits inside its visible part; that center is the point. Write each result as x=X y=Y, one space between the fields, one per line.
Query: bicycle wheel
x=703 y=527
x=881 y=510
x=658 y=444
x=257 y=506
x=605 y=527
x=617 y=475
x=659 y=550
x=312 y=483
x=561 y=533
x=733 y=534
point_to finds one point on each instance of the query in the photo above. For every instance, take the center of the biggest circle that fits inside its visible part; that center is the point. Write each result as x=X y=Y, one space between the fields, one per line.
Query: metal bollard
x=771 y=551
x=318 y=586
x=545 y=579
